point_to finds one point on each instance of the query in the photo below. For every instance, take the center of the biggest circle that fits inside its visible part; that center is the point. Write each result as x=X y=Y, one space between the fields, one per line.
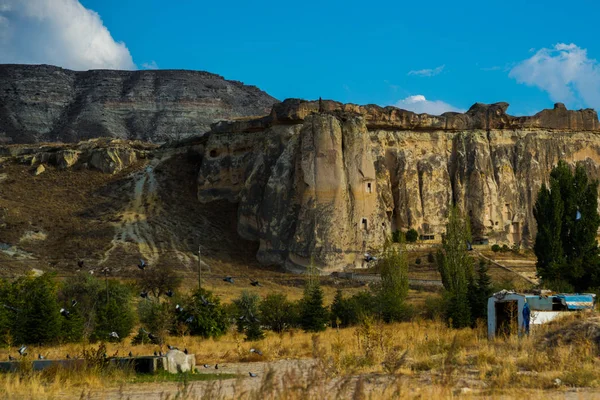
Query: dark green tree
x=277 y=313
x=8 y=311
x=391 y=293
x=247 y=315
x=313 y=314
x=158 y=318
x=114 y=312
x=480 y=291
x=38 y=320
x=348 y=311
x=203 y=314
x=83 y=289
x=567 y=223
x=456 y=269
x=411 y=235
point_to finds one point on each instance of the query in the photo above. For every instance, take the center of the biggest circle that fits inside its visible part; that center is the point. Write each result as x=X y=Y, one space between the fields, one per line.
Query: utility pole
x=106 y=281
x=199 y=269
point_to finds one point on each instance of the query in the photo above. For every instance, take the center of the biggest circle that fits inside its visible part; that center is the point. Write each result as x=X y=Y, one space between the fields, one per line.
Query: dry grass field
x=419 y=359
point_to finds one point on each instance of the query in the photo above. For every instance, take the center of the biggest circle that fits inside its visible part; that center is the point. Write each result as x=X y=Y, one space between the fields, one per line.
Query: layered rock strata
x=42 y=103
x=325 y=182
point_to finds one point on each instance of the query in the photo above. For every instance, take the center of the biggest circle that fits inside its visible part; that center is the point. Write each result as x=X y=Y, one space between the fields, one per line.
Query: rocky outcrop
x=105 y=155
x=41 y=103
x=324 y=182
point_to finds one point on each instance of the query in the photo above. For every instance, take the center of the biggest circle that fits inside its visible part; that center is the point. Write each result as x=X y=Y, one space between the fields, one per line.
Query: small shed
x=511 y=312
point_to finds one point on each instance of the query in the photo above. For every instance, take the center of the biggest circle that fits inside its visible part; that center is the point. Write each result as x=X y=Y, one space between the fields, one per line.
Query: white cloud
x=565 y=72
x=420 y=105
x=58 y=32
x=428 y=72
x=151 y=65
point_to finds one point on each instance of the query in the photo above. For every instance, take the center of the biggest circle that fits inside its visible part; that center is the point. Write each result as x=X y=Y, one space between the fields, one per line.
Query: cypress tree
x=392 y=292
x=456 y=269
x=567 y=222
x=479 y=292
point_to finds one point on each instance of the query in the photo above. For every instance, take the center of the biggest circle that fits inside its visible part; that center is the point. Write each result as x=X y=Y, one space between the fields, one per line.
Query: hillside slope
x=45 y=103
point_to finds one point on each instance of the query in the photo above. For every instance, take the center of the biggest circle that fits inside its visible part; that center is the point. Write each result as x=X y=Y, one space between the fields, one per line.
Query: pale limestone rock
x=178 y=361
x=112 y=160
x=325 y=187
x=39 y=170
x=67 y=158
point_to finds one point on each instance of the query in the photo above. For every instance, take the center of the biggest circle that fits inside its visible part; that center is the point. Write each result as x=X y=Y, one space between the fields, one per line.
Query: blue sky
x=428 y=56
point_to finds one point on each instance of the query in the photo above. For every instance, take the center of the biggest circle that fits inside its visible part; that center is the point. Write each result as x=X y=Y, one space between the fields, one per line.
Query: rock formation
x=105 y=155
x=324 y=183
x=44 y=103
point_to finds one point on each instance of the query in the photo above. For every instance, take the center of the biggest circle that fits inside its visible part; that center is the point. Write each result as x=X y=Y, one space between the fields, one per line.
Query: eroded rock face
x=42 y=103
x=105 y=155
x=327 y=182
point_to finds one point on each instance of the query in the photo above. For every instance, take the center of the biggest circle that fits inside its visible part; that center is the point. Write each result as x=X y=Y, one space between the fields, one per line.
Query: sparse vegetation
x=411 y=235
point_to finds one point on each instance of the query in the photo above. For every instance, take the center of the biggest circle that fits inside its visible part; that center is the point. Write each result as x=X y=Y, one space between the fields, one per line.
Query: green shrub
x=412 y=235
x=313 y=314
x=495 y=248
x=351 y=310
x=38 y=320
x=203 y=314
x=85 y=290
x=397 y=236
x=277 y=313
x=418 y=261
x=157 y=318
x=505 y=248
x=247 y=321
x=393 y=289
x=114 y=312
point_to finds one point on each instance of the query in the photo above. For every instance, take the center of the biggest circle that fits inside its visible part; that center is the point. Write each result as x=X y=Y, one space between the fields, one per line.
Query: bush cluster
x=37 y=310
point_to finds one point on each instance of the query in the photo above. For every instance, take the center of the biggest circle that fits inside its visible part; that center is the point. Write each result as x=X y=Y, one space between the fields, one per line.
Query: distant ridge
x=44 y=103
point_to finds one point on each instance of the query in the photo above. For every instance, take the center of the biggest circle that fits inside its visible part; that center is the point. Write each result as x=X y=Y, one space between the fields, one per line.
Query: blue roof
x=578 y=301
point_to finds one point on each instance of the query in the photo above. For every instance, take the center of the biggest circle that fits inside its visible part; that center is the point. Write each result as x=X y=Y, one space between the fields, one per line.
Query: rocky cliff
x=41 y=103
x=326 y=182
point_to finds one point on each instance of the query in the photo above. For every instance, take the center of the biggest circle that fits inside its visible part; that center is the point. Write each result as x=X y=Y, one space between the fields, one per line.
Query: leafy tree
x=114 y=312
x=203 y=314
x=158 y=318
x=277 y=313
x=72 y=328
x=247 y=321
x=411 y=235
x=351 y=310
x=38 y=320
x=391 y=293
x=313 y=314
x=496 y=248
x=456 y=268
x=85 y=290
x=159 y=280
x=567 y=223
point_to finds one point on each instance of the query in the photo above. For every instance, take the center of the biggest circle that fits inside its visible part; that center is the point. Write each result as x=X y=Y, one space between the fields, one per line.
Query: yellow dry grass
x=396 y=357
